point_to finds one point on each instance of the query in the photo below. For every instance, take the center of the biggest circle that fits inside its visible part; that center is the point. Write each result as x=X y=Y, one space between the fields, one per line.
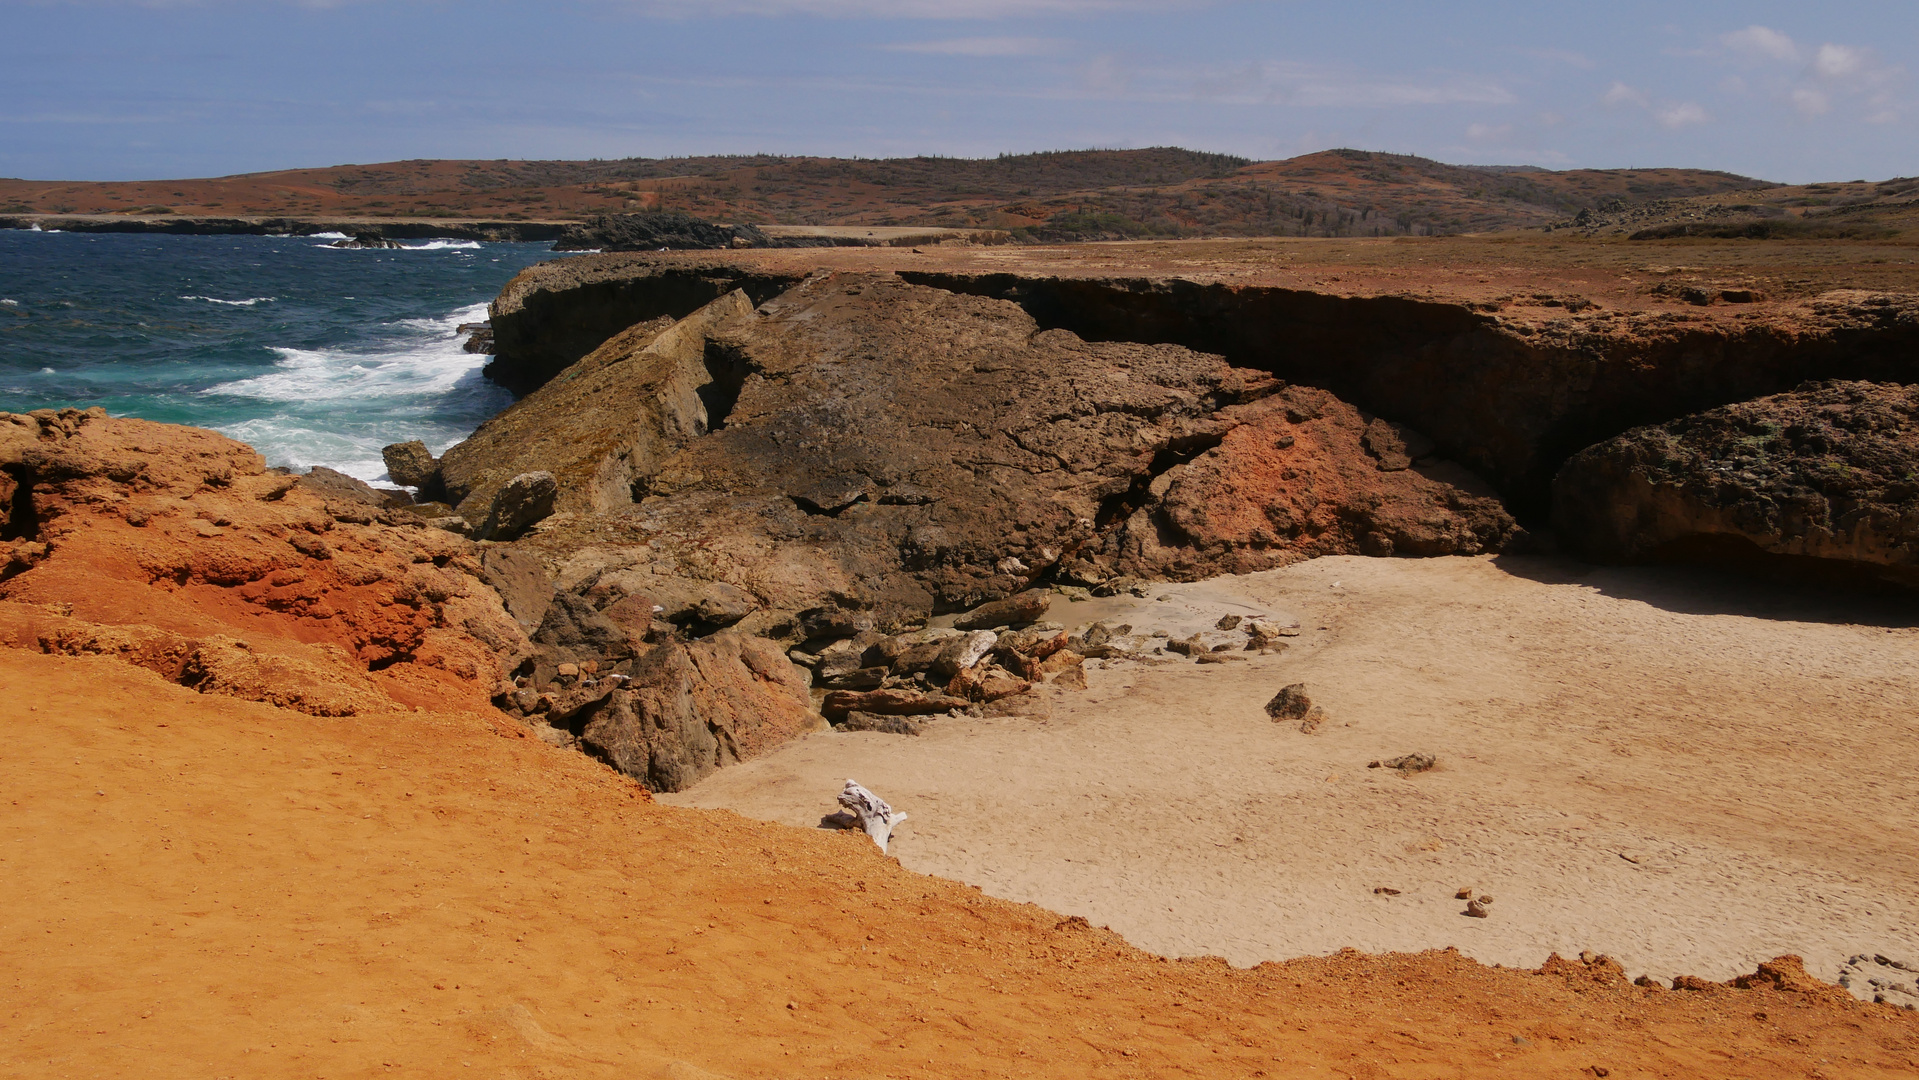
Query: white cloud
x=1762 y=42
x=1489 y=133
x=978 y=46
x=1621 y=94
x=1811 y=102
x=1682 y=114
x=1839 y=62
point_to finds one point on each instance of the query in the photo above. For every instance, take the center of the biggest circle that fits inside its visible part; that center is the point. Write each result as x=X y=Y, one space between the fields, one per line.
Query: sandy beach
x=1687 y=771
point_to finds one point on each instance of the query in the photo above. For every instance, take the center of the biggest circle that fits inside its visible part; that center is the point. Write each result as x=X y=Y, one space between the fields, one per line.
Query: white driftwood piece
x=875 y=816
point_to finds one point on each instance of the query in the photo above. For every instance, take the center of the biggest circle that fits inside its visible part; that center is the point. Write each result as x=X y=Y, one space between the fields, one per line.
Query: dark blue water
x=314 y=355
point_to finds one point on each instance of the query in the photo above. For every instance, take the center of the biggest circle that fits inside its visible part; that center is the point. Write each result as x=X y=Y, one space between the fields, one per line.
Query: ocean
x=313 y=355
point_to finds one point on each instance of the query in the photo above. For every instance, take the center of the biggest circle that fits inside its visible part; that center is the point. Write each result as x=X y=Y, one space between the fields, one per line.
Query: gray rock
x=526 y=500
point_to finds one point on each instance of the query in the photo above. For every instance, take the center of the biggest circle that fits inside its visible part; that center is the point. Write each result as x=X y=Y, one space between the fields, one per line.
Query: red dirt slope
x=200 y=886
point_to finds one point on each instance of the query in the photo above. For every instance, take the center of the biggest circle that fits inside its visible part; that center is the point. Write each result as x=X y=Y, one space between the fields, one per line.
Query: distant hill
x=1085 y=194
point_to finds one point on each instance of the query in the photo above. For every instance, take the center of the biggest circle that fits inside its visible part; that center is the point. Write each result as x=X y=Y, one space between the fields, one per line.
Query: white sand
x=1691 y=773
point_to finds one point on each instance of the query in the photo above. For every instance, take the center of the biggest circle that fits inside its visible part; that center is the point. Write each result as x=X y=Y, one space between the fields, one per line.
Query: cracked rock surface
x=861 y=444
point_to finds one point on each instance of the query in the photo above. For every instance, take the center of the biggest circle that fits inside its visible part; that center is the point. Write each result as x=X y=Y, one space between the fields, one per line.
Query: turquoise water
x=314 y=355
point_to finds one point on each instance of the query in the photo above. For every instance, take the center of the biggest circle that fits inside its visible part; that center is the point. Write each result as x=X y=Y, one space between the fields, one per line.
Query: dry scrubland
x=1163 y=192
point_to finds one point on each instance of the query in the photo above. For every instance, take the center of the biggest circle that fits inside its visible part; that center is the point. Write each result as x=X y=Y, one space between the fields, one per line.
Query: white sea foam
x=234 y=303
x=446 y=245
x=338 y=408
x=48 y=371
x=10 y=303
x=328 y=235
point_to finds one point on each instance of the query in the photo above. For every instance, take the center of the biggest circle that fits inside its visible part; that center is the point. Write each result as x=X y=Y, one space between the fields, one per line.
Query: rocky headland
x=747 y=499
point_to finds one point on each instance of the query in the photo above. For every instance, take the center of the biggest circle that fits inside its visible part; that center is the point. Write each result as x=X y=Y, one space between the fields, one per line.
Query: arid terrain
x=520 y=772
x=1079 y=195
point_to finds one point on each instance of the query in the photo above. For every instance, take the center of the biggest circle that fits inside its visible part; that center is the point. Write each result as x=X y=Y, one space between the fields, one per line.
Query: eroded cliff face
x=1510 y=391
x=551 y=315
x=1510 y=398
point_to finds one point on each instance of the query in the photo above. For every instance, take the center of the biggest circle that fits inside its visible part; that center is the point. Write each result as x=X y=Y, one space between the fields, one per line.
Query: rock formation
x=862 y=445
x=1829 y=471
x=1507 y=394
x=178 y=550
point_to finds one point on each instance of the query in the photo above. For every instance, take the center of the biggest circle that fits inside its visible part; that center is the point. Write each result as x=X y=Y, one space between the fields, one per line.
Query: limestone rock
x=1826 y=472
x=411 y=464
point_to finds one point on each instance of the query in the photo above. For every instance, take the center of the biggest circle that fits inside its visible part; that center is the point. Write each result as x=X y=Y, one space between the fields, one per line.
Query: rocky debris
x=1407 y=765
x=1292 y=703
x=1479 y=907
x=153 y=544
x=1876 y=977
x=411 y=464
x=1027 y=607
x=671 y=230
x=521 y=502
x=861 y=445
x=865 y=721
x=689 y=708
x=1825 y=472
x=889 y=702
x=366 y=240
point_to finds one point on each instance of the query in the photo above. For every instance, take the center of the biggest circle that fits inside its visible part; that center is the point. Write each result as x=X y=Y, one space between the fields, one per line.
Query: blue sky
x=109 y=90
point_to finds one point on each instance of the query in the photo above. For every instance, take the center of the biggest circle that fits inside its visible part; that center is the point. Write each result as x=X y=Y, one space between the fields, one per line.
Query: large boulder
x=1829 y=471
x=859 y=444
x=691 y=708
x=411 y=464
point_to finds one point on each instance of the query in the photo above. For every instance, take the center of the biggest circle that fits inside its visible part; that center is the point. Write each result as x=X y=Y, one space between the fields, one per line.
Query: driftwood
x=877 y=818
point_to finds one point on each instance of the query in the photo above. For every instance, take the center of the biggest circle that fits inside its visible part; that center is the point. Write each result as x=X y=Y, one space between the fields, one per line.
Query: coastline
x=391 y=228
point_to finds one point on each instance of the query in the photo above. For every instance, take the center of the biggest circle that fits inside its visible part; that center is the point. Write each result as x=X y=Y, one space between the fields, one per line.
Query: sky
x=119 y=90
